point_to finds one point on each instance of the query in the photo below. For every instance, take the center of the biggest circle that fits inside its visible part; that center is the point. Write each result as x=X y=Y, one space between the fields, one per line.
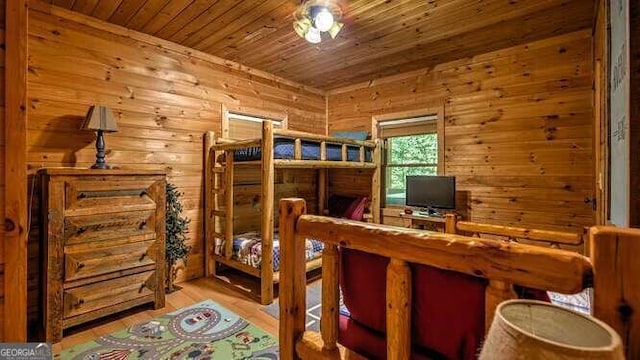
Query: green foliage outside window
x=409 y=155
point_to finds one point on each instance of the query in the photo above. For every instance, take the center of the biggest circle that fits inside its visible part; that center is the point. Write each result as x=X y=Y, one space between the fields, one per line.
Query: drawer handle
x=79 y=265
x=82 y=195
x=143 y=193
x=142 y=225
x=80 y=231
x=142 y=286
x=79 y=302
x=144 y=254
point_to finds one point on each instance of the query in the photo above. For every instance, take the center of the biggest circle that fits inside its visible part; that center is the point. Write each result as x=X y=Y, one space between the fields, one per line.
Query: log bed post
x=450 y=223
x=322 y=181
x=292 y=270
x=228 y=196
x=267 y=173
x=398 y=310
x=616 y=285
x=330 y=297
x=209 y=226
x=376 y=182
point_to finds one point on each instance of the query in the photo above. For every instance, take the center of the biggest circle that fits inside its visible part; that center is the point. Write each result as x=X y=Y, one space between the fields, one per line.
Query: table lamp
x=101 y=119
x=529 y=329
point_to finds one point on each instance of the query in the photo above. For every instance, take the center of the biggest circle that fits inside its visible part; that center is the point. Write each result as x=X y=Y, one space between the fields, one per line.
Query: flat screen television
x=431 y=192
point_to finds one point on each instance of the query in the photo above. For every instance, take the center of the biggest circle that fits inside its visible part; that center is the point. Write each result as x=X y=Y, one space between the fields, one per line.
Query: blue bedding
x=247 y=248
x=283 y=148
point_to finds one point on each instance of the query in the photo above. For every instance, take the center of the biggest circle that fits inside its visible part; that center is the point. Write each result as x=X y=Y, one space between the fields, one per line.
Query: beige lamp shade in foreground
x=101 y=119
x=527 y=329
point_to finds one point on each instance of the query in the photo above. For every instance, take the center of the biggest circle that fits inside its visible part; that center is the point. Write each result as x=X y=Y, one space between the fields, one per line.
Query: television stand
x=430 y=213
x=425 y=222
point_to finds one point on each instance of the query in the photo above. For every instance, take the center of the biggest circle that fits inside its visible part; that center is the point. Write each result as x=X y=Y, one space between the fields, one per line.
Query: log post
x=376 y=181
x=344 y=152
x=297 y=149
x=322 y=191
x=330 y=297
x=614 y=254
x=450 y=223
x=398 y=310
x=266 y=268
x=495 y=293
x=292 y=278
x=323 y=151
x=15 y=220
x=228 y=193
x=209 y=223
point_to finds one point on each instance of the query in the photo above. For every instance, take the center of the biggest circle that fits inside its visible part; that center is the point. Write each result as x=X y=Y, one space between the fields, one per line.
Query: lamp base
x=100 y=163
x=101 y=166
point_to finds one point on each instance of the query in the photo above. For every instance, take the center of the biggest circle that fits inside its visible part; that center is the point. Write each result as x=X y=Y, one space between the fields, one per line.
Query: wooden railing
x=267 y=142
x=616 y=284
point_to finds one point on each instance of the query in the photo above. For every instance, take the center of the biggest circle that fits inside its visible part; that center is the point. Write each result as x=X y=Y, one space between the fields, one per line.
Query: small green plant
x=177 y=227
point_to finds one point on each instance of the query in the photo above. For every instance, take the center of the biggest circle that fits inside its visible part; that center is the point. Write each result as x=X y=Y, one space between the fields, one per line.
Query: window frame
x=281 y=118
x=376 y=120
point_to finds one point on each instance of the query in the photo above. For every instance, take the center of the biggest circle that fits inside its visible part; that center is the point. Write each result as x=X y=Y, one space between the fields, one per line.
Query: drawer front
x=396 y=221
x=96 y=296
x=98 y=227
x=84 y=261
x=109 y=195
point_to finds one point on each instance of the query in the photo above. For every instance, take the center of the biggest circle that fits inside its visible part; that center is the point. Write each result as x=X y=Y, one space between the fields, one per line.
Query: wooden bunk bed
x=610 y=270
x=235 y=169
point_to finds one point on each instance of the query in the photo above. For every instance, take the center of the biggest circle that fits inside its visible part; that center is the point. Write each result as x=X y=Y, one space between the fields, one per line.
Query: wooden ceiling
x=381 y=37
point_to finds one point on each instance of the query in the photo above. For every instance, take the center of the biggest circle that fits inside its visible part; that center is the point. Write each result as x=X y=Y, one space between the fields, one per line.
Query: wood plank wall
x=2 y=168
x=165 y=97
x=518 y=133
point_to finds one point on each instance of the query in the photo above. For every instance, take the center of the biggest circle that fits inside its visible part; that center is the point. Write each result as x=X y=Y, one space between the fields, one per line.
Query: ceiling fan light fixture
x=335 y=29
x=315 y=17
x=313 y=35
x=323 y=20
x=302 y=26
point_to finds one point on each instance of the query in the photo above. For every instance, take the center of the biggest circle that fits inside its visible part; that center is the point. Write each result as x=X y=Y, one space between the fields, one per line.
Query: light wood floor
x=192 y=292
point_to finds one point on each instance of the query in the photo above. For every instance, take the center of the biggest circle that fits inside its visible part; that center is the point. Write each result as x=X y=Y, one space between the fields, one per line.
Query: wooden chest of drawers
x=103 y=240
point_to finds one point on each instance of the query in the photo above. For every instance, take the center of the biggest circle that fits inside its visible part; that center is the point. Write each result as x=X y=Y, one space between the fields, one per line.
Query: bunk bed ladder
x=218 y=194
x=222 y=212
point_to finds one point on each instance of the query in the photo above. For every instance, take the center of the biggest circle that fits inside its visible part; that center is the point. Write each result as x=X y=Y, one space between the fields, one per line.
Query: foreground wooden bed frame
x=219 y=192
x=611 y=270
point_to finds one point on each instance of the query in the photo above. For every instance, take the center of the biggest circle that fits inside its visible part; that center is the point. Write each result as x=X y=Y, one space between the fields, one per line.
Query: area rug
x=202 y=331
x=314 y=307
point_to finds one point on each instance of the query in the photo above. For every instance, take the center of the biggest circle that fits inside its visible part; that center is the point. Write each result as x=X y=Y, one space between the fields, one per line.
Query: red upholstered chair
x=448 y=309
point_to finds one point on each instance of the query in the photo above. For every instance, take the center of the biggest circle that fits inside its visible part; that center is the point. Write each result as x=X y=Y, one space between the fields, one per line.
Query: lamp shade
x=528 y=329
x=100 y=118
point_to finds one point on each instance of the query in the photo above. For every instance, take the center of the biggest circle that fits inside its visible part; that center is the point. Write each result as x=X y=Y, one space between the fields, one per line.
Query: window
x=408 y=155
x=412 y=148
x=243 y=126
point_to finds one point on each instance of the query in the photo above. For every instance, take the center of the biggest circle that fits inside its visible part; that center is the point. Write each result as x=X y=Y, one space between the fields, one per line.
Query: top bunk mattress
x=284 y=148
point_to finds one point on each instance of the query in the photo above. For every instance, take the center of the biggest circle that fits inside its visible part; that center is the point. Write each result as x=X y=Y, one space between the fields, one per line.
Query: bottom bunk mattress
x=247 y=249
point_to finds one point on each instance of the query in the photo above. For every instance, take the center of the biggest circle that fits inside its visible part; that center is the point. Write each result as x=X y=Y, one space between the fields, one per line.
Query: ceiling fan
x=314 y=17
